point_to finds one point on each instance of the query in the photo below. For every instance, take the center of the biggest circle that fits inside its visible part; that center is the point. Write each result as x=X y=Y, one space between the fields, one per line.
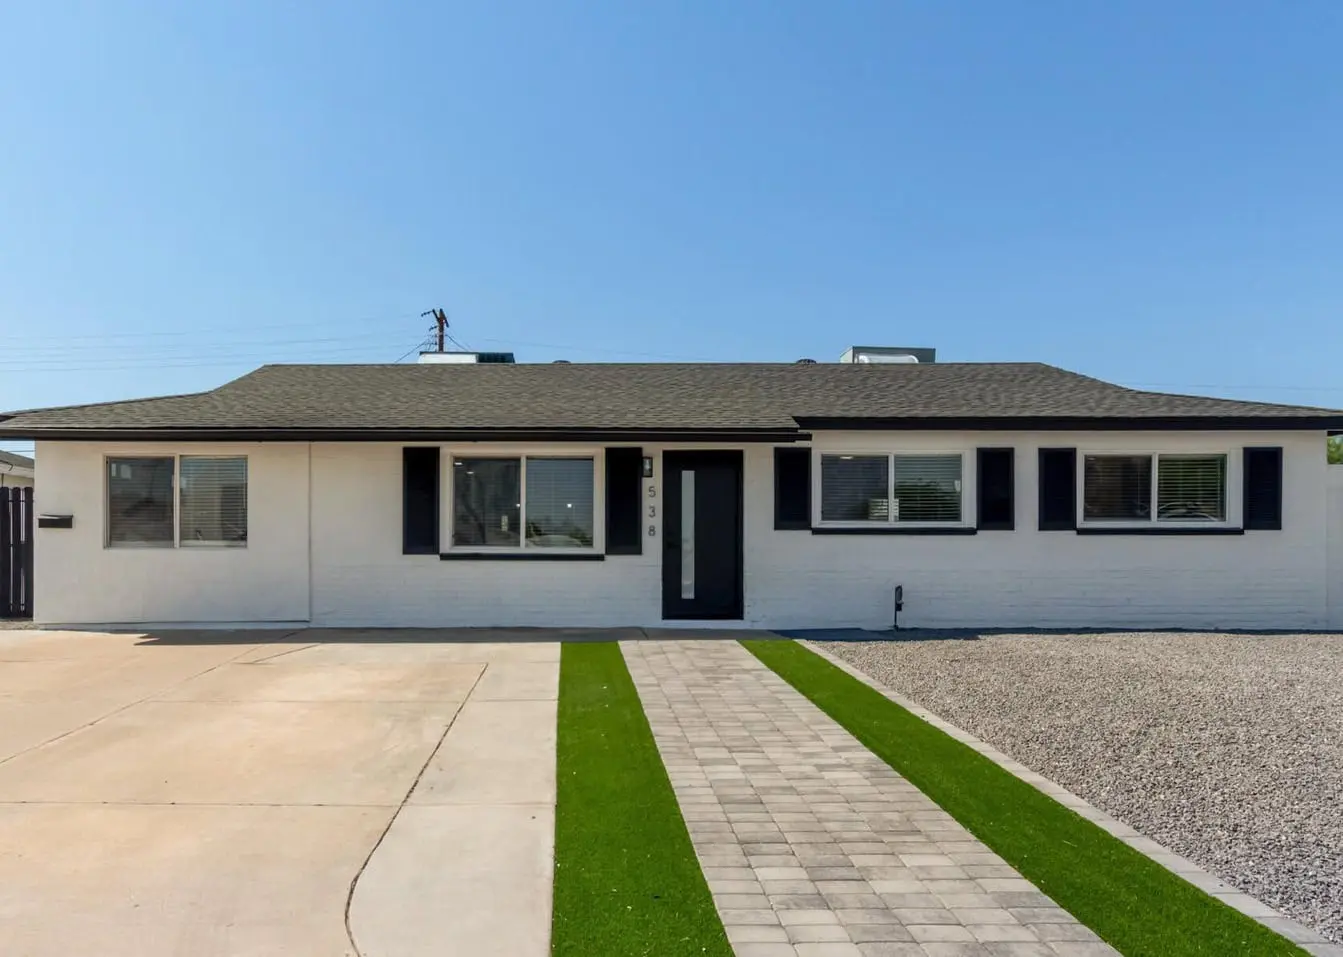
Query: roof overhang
x=1175 y=423
x=402 y=435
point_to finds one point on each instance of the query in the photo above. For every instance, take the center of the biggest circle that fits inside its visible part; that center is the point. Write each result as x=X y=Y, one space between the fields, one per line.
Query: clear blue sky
x=1149 y=192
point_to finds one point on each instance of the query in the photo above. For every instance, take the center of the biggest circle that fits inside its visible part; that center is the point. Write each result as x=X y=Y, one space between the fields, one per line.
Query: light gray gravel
x=1228 y=749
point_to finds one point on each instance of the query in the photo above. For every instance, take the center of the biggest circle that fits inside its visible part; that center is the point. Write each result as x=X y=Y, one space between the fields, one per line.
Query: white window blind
x=927 y=488
x=213 y=500
x=558 y=502
x=1117 y=488
x=486 y=502
x=855 y=488
x=1191 y=488
x=140 y=501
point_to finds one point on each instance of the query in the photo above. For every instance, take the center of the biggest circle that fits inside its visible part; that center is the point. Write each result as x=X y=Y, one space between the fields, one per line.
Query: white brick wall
x=78 y=580
x=1335 y=571
x=793 y=579
x=1060 y=579
x=360 y=576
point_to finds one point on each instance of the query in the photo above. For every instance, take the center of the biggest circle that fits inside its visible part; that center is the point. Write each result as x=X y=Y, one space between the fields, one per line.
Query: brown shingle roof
x=656 y=397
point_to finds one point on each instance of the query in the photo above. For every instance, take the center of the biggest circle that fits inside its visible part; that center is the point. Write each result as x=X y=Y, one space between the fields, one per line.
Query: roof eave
x=197 y=434
x=1079 y=423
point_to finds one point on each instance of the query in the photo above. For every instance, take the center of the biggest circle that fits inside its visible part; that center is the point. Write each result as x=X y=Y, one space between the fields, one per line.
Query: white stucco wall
x=1335 y=513
x=77 y=579
x=793 y=579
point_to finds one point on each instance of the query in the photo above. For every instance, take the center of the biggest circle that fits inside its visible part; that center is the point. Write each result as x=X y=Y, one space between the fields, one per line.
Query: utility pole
x=441 y=321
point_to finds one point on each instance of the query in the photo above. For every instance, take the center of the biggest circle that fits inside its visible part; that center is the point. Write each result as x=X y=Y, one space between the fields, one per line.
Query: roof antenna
x=440 y=320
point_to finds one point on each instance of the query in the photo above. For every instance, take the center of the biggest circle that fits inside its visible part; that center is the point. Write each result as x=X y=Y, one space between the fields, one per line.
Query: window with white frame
x=891 y=488
x=522 y=502
x=1161 y=487
x=159 y=501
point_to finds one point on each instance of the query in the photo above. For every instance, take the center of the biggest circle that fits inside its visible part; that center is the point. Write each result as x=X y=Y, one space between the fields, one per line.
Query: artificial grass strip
x=627 y=881
x=1134 y=903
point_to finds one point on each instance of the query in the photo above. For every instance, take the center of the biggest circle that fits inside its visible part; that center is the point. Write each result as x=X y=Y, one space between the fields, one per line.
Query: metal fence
x=16 y=552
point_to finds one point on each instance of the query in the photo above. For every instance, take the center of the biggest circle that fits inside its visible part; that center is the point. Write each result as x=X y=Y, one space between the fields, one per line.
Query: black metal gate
x=16 y=552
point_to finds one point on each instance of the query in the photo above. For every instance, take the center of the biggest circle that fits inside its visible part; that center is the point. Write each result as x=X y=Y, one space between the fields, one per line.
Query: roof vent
x=805 y=362
x=888 y=355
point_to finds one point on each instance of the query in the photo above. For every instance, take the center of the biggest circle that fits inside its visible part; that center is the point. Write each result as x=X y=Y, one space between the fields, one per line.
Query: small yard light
x=899 y=606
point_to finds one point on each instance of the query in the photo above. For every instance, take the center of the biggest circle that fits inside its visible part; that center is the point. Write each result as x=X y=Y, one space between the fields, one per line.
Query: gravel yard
x=1226 y=748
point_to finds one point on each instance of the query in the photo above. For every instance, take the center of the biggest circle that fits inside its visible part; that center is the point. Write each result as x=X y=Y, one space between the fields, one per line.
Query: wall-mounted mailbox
x=55 y=521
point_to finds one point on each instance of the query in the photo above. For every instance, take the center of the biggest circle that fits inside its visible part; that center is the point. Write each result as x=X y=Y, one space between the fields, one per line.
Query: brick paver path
x=812 y=845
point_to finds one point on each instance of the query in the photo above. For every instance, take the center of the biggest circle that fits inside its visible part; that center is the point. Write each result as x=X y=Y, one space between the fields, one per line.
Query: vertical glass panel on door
x=687 y=534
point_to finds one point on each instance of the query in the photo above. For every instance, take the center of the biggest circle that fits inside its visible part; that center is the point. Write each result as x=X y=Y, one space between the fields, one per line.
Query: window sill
x=1159 y=530
x=531 y=555
x=894 y=530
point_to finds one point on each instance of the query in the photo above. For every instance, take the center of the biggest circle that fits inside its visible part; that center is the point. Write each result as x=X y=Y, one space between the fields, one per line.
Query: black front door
x=701 y=535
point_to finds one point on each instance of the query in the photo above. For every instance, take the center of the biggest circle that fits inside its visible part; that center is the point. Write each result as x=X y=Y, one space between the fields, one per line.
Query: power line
x=168 y=333
x=424 y=342
x=47 y=353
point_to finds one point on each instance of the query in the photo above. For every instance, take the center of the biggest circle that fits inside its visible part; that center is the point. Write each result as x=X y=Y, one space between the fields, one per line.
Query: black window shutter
x=997 y=500
x=1058 y=490
x=624 y=496
x=1263 y=489
x=792 y=488
x=419 y=500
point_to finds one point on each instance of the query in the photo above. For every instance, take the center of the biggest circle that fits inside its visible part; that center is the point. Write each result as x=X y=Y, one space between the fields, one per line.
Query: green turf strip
x=1131 y=901
x=627 y=882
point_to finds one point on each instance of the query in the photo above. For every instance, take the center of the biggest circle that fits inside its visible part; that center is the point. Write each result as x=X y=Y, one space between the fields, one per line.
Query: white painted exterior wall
x=77 y=579
x=325 y=546
x=1335 y=483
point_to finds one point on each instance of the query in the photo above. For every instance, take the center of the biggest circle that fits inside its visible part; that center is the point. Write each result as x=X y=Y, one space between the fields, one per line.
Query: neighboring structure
x=783 y=496
x=16 y=471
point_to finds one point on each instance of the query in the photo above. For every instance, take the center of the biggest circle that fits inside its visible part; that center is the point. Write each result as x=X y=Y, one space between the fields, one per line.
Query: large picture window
x=523 y=502
x=1162 y=488
x=919 y=489
x=188 y=500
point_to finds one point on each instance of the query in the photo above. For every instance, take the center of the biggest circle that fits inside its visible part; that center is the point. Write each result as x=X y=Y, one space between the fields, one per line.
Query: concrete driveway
x=252 y=793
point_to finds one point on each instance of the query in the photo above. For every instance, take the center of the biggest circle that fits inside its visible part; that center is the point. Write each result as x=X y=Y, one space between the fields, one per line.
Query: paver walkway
x=812 y=845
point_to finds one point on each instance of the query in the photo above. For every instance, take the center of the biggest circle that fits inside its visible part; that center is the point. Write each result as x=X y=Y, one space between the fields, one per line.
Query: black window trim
x=801 y=524
x=982 y=454
x=1250 y=518
x=436 y=517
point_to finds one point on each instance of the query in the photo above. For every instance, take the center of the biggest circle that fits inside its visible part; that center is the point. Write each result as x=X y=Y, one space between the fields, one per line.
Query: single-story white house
x=16 y=471
x=757 y=495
